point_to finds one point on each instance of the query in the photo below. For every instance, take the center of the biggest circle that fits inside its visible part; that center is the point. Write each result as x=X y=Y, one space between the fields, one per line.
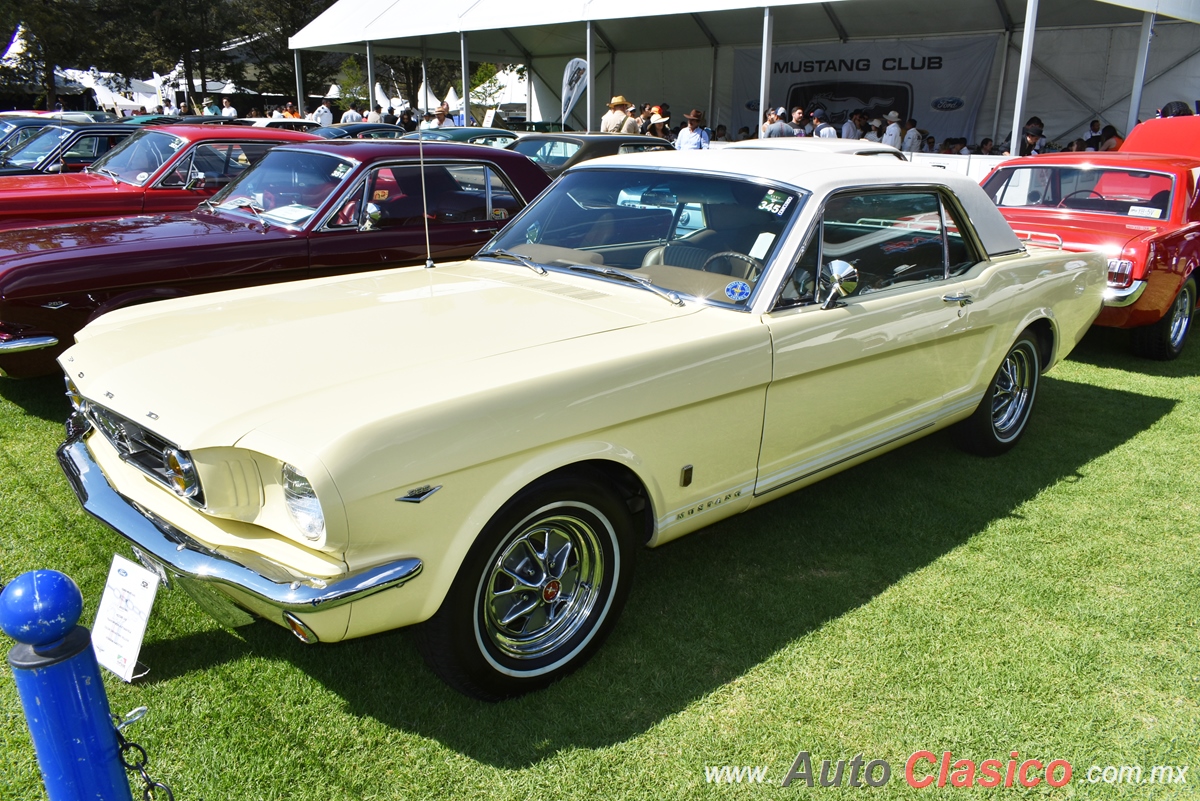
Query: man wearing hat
x=210 y=109
x=693 y=137
x=821 y=126
x=893 y=136
x=776 y=127
x=617 y=120
x=1031 y=139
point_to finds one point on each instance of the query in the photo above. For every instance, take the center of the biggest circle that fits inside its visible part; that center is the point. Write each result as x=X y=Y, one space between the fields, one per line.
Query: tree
x=265 y=26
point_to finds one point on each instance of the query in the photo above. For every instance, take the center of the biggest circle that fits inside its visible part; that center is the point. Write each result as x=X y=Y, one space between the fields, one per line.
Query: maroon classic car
x=304 y=210
x=1139 y=205
x=170 y=168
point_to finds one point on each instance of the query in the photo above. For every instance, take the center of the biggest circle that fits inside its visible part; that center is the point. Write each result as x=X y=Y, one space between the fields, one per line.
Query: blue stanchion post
x=58 y=679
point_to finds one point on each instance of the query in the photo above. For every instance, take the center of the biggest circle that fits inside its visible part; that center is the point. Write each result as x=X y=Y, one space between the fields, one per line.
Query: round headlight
x=302 y=503
x=181 y=473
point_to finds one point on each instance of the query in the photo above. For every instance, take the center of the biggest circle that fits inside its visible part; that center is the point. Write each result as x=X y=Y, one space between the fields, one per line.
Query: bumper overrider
x=202 y=571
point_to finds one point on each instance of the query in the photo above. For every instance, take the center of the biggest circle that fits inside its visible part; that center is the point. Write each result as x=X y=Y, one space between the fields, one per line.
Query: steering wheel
x=1080 y=192
x=756 y=266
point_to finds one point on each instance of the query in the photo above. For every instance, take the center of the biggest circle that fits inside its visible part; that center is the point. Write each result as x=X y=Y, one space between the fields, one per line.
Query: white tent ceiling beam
x=590 y=57
x=466 y=80
x=1188 y=10
x=1139 y=71
x=1023 y=75
x=1006 y=43
x=764 y=79
x=716 y=48
x=370 y=80
x=837 y=23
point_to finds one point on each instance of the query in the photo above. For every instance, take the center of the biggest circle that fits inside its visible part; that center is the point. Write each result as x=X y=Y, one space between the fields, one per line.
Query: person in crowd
x=893 y=135
x=776 y=127
x=852 y=127
x=407 y=121
x=323 y=115
x=929 y=145
x=821 y=126
x=1031 y=136
x=1092 y=137
x=660 y=128
x=743 y=134
x=1110 y=139
x=351 y=114
x=643 y=120
x=1076 y=146
x=874 y=130
x=442 y=118
x=169 y=108
x=254 y=113
x=227 y=109
x=985 y=147
x=617 y=119
x=1041 y=142
x=158 y=110
x=210 y=109
x=1176 y=108
x=912 y=138
x=375 y=114
x=290 y=112
x=721 y=134
x=389 y=116
x=797 y=122
x=964 y=149
x=693 y=137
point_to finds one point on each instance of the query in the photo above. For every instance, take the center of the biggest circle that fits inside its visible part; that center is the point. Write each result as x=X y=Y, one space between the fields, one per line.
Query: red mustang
x=322 y=208
x=1140 y=206
x=157 y=169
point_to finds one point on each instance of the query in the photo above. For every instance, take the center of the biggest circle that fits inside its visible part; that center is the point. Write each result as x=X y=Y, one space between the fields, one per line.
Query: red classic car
x=304 y=210
x=169 y=168
x=1140 y=206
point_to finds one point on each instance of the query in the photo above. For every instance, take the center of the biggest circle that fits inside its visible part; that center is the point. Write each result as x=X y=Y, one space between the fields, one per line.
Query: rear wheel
x=538 y=592
x=1165 y=339
x=997 y=425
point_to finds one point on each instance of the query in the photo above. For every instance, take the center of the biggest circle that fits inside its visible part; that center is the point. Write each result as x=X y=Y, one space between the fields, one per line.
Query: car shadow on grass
x=40 y=397
x=1110 y=348
x=712 y=606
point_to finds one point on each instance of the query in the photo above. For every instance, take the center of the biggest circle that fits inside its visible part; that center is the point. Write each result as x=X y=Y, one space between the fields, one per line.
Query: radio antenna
x=421 y=159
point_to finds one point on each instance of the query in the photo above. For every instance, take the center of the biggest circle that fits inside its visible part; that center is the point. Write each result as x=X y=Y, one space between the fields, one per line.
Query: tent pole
x=591 y=76
x=299 y=86
x=371 y=101
x=1014 y=144
x=1139 y=71
x=424 y=79
x=764 y=81
x=466 y=75
x=1006 y=42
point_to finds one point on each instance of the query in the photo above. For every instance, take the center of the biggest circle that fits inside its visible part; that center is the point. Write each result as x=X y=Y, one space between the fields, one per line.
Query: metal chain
x=137 y=764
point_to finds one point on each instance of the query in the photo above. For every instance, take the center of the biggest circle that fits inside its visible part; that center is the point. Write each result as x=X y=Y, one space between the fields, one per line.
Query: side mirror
x=195 y=181
x=374 y=217
x=55 y=168
x=842 y=278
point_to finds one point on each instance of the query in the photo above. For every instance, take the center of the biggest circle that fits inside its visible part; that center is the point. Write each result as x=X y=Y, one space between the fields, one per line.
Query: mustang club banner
x=938 y=82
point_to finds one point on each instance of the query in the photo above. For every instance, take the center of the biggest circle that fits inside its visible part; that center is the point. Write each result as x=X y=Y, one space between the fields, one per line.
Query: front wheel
x=1165 y=339
x=998 y=422
x=537 y=594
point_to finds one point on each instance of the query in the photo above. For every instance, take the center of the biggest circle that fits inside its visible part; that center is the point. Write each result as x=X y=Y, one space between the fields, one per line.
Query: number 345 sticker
x=775 y=202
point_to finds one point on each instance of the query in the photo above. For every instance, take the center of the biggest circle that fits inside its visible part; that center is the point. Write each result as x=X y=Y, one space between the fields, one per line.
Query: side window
x=961 y=256
x=85 y=147
x=891 y=238
x=800 y=287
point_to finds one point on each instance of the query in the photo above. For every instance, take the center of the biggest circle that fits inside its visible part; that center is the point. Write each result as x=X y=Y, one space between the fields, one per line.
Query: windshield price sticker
x=775 y=202
x=1145 y=211
x=341 y=170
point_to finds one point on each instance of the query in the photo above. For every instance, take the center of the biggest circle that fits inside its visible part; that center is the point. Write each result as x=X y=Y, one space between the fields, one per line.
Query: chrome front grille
x=137 y=446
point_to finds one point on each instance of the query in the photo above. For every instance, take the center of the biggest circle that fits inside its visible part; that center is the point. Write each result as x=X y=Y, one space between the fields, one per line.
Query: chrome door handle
x=962 y=299
x=483 y=230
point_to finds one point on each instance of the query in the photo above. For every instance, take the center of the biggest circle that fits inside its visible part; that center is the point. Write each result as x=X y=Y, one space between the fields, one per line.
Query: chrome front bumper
x=1124 y=297
x=187 y=559
x=26 y=344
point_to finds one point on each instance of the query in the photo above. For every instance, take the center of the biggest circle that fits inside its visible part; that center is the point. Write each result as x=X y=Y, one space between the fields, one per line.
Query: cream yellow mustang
x=659 y=342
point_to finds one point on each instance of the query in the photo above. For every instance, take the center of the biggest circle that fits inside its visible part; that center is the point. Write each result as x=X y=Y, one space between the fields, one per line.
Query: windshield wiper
x=257 y=211
x=621 y=275
x=517 y=257
x=107 y=172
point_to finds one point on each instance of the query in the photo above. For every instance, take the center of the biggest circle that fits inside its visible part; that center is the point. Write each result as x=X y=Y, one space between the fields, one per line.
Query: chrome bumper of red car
x=1126 y=296
x=184 y=558
x=20 y=345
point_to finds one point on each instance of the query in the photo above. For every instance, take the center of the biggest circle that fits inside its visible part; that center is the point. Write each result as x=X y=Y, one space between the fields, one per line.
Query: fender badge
x=55 y=305
x=419 y=494
x=152 y=415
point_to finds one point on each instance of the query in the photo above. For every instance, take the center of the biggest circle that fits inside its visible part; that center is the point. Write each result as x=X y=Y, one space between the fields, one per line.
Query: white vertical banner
x=938 y=82
x=574 y=82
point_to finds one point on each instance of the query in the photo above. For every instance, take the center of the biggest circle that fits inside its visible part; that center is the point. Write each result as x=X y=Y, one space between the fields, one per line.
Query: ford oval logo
x=947 y=103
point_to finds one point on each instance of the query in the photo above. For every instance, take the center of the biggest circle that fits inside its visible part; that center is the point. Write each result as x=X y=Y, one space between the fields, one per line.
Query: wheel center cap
x=551 y=590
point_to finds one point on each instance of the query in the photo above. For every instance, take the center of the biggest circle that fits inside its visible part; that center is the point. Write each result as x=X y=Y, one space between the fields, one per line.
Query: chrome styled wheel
x=1181 y=317
x=543 y=584
x=999 y=420
x=1164 y=340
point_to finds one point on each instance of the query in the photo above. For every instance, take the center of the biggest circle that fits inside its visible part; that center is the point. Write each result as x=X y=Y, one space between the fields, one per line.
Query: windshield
x=286 y=187
x=34 y=150
x=700 y=236
x=135 y=160
x=546 y=152
x=1097 y=190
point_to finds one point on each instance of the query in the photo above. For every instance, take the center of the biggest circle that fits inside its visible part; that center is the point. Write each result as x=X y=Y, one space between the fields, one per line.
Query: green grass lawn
x=1044 y=602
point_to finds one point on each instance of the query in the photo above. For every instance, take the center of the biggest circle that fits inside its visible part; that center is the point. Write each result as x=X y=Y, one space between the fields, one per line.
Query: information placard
x=121 y=619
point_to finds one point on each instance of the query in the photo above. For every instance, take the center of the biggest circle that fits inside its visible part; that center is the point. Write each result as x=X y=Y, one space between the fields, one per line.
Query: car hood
x=49 y=183
x=124 y=233
x=1108 y=234
x=208 y=370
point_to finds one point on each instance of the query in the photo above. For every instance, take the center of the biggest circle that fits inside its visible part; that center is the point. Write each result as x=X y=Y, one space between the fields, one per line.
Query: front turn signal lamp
x=181 y=473
x=78 y=403
x=302 y=504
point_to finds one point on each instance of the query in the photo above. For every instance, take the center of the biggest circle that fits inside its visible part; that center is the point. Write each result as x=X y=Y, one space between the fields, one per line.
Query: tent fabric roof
x=508 y=31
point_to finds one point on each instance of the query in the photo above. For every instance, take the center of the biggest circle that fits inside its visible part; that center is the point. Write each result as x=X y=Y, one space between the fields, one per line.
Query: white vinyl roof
x=512 y=31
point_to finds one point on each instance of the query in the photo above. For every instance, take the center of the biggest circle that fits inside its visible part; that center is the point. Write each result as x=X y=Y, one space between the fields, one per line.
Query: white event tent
x=1089 y=59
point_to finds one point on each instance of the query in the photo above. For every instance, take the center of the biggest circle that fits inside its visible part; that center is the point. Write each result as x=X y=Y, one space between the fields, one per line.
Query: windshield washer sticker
x=141 y=176
x=737 y=291
x=380 y=194
x=762 y=244
x=712 y=503
x=1145 y=211
x=499 y=214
